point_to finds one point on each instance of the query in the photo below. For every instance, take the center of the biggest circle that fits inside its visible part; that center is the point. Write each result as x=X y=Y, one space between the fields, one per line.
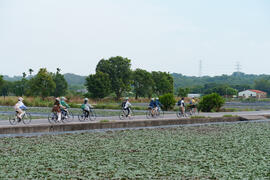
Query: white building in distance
x=252 y=93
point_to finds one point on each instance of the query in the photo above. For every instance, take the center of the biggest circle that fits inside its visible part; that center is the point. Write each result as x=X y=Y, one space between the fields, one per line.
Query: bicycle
x=65 y=116
x=154 y=113
x=180 y=114
x=191 y=110
x=91 y=115
x=124 y=114
x=26 y=118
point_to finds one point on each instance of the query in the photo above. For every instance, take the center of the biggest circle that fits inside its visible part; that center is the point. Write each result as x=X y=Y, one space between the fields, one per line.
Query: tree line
x=114 y=76
x=43 y=84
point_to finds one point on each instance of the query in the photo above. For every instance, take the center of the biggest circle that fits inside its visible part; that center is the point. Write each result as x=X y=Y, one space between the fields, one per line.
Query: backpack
x=123 y=104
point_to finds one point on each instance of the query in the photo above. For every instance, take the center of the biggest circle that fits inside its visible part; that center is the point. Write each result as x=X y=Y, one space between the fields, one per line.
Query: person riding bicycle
x=86 y=107
x=181 y=104
x=57 y=108
x=64 y=106
x=126 y=106
x=192 y=104
x=19 y=108
x=157 y=104
x=152 y=106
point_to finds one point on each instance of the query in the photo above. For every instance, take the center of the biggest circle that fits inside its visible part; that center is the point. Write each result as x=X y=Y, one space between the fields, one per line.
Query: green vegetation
x=143 y=83
x=168 y=101
x=206 y=152
x=104 y=121
x=211 y=103
x=197 y=117
x=182 y=92
x=119 y=72
x=98 y=85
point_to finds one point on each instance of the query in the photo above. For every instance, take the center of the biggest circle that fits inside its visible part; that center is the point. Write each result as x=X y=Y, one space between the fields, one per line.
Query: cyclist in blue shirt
x=152 y=104
x=157 y=103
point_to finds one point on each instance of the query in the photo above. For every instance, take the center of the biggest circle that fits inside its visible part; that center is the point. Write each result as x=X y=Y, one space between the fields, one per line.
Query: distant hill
x=237 y=78
x=74 y=79
x=14 y=78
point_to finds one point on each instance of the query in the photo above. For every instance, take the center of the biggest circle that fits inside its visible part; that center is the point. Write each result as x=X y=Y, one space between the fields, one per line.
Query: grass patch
x=104 y=121
x=197 y=117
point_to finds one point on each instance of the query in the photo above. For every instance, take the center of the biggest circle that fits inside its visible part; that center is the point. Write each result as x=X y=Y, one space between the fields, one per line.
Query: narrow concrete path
x=5 y=123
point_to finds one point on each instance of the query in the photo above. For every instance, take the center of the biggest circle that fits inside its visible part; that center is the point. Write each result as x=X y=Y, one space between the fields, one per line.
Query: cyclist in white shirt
x=20 y=107
x=126 y=106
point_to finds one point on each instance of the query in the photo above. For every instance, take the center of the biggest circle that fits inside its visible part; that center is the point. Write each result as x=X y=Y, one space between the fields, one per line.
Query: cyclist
x=181 y=104
x=57 y=108
x=152 y=106
x=64 y=106
x=126 y=106
x=86 y=107
x=157 y=104
x=19 y=108
x=193 y=105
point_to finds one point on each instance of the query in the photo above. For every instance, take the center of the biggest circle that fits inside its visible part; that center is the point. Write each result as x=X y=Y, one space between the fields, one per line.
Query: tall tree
x=142 y=83
x=1 y=80
x=118 y=69
x=24 y=75
x=42 y=84
x=31 y=71
x=58 y=70
x=98 y=85
x=61 y=84
x=163 y=83
x=182 y=92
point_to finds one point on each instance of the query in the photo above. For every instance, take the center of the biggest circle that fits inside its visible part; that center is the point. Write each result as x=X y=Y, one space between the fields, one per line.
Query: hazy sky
x=157 y=35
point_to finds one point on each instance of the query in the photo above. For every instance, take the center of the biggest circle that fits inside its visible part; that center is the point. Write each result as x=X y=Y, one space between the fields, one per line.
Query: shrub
x=104 y=121
x=211 y=103
x=168 y=101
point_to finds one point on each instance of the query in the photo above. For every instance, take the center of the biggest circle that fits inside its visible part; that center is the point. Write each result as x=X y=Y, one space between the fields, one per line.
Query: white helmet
x=63 y=98
x=20 y=99
x=157 y=98
x=57 y=99
x=152 y=98
x=127 y=98
x=86 y=99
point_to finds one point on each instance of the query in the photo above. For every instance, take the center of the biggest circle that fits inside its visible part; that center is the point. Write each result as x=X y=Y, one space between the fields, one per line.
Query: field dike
x=113 y=125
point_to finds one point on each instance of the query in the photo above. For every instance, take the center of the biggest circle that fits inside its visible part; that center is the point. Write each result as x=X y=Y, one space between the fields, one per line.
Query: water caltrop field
x=233 y=151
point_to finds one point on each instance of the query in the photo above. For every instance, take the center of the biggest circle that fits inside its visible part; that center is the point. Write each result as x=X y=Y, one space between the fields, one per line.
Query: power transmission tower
x=200 y=68
x=238 y=67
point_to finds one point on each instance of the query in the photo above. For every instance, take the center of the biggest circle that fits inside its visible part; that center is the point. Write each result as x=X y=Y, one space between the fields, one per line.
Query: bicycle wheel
x=179 y=114
x=160 y=113
x=52 y=118
x=92 y=115
x=122 y=115
x=132 y=114
x=69 y=117
x=13 y=119
x=27 y=118
x=149 y=114
x=82 y=117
